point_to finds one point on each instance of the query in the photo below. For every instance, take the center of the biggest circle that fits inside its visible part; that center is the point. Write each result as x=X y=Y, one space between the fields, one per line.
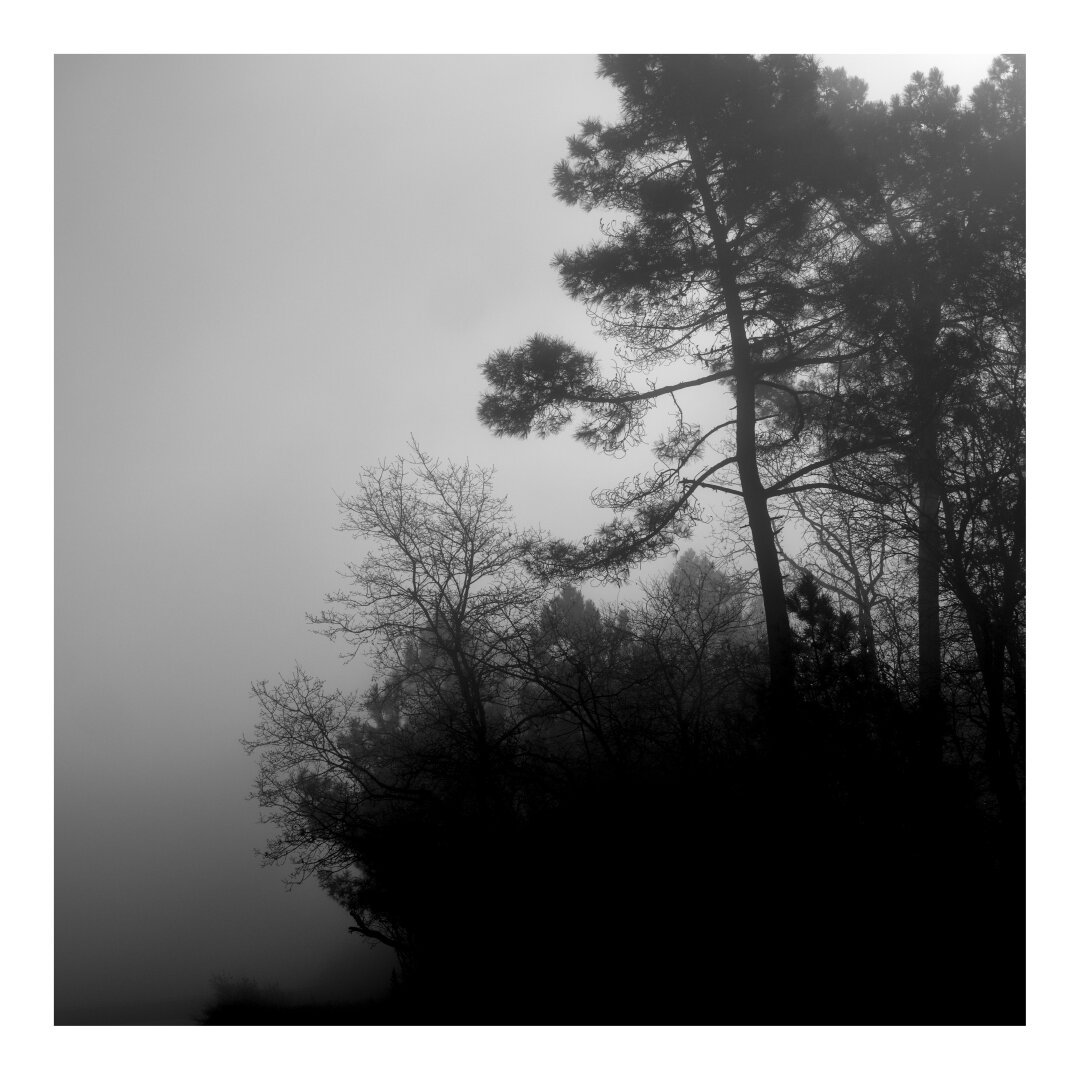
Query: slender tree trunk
x=929 y=610
x=998 y=752
x=928 y=558
x=867 y=643
x=990 y=649
x=989 y=638
x=777 y=627
x=1016 y=664
x=1012 y=599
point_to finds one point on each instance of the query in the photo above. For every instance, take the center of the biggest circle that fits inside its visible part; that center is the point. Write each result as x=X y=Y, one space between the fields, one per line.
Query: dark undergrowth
x=756 y=895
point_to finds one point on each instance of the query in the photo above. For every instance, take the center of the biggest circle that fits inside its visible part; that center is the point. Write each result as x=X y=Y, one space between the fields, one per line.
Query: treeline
x=789 y=797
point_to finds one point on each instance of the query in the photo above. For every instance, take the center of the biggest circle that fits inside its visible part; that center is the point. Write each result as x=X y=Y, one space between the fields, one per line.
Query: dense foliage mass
x=789 y=796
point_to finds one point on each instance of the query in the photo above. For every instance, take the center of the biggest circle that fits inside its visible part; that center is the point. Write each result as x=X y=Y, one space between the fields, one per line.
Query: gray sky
x=269 y=271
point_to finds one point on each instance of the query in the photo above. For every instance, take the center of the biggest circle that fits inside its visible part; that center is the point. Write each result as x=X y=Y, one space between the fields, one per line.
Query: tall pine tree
x=714 y=174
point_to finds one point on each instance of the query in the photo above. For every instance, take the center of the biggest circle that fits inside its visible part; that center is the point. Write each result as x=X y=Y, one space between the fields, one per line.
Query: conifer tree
x=714 y=174
x=928 y=279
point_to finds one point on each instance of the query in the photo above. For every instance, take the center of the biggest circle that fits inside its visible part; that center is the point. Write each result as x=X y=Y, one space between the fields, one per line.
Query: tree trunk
x=928 y=564
x=777 y=627
x=864 y=609
x=989 y=636
x=999 y=755
x=928 y=559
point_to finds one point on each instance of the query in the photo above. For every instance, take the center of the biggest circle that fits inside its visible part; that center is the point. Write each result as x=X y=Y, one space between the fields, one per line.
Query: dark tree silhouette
x=715 y=174
x=929 y=280
x=437 y=601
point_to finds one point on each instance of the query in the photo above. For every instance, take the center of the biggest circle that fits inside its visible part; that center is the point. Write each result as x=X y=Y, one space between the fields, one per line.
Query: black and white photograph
x=540 y=540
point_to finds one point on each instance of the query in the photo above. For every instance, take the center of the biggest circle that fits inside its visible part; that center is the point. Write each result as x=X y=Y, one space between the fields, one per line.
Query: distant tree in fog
x=693 y=631
x=436 y=602
x=440 y=593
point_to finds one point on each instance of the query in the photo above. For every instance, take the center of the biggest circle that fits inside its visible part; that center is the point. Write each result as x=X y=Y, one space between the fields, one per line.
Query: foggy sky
x=269 y=272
